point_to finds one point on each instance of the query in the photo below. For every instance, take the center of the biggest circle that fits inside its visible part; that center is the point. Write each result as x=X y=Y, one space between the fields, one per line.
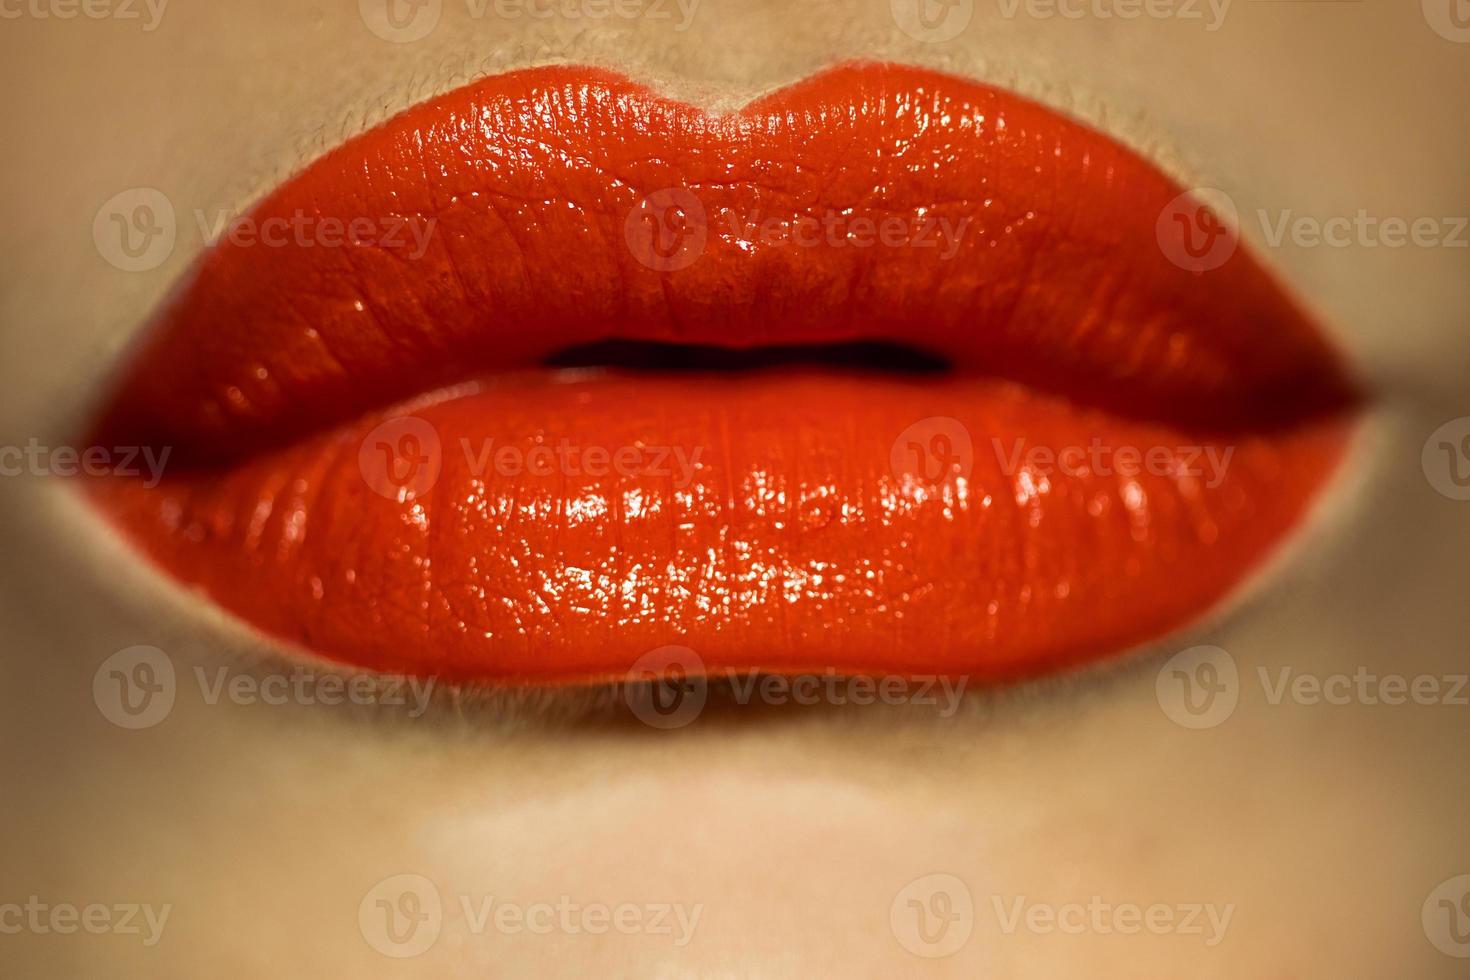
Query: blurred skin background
x=1310 y=838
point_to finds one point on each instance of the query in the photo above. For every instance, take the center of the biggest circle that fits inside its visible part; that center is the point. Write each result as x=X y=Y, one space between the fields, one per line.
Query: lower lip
x=553 y=527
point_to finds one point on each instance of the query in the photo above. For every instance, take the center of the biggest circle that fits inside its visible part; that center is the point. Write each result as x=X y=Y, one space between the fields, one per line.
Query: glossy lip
x=820 y=519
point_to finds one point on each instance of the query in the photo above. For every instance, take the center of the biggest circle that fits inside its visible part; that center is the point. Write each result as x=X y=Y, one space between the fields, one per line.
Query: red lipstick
x=377 y=456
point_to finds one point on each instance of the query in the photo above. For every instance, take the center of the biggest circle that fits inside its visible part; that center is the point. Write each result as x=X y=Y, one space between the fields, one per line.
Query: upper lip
x=535 y=187
x=1062 y=283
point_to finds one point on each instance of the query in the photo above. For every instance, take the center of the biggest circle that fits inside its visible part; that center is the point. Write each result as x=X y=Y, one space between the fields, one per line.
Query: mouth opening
x=653 y=356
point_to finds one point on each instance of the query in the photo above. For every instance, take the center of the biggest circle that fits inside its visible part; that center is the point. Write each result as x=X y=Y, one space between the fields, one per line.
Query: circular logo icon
x=401 y=916
x=1450 y=19
x=1198 y=230
x=667 y=688
x=667 y=230
x=1446 y=459
x=135 y=230
x=135 y=688
x=933 y=451
x=1198 y=687
x=400 y=21
x=1446 y=917
x=401 y=458
x=932 y=916
x=932 y=21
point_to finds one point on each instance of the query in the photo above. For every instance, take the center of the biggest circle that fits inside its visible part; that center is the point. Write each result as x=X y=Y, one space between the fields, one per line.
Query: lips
x=377 y=454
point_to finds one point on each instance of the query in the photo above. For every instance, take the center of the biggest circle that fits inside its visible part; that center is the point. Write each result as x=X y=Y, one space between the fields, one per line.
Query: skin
x=1324 y=827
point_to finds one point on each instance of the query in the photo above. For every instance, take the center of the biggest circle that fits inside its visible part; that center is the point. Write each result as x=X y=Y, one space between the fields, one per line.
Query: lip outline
x=1352 y=391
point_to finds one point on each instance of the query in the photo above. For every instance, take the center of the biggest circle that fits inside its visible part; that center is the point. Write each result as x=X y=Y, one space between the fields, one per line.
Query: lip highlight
x=377 y=457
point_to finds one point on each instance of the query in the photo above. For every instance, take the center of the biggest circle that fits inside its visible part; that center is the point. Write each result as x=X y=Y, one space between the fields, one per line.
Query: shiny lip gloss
x=380 y=457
